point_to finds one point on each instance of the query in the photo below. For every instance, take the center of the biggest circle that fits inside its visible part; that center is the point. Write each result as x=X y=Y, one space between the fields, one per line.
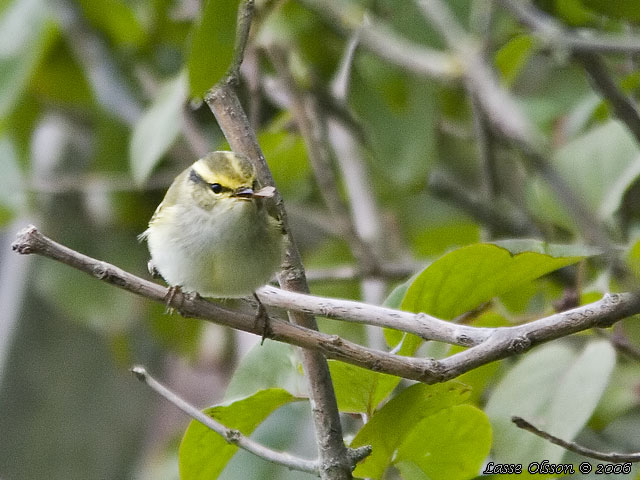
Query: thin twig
x=621 y=343
x=624 y=106
x=379 y=39
x=574 y=447
x=552 y=33
x=334 y=458
x=348 y=151
x=231 y=436
x=500 y=343
x=309 y=120
x=492 y=214
x=486 y=151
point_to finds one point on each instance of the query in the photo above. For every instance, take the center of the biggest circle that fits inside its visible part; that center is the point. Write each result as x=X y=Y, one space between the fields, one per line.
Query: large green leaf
x=359 y=390
x=157 y=129
x=203 y=453
x=554 y=387
x=471 y=275
x=608 y=161
x=389 y=427
x=212 y=45
x=452 y=444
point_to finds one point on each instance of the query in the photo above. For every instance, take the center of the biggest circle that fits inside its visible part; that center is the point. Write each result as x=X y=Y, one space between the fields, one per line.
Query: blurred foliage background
x=100 y=107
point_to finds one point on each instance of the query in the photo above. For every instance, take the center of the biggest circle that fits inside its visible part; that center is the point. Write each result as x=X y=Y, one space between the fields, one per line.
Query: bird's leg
x=172 y=291
x=262 y=317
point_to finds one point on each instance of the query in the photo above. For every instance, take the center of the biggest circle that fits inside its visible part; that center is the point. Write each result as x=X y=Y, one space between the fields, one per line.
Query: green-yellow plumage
x=212 y=233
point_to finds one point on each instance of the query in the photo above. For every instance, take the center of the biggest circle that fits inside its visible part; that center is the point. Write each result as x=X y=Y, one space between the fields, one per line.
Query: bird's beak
x=244 y=192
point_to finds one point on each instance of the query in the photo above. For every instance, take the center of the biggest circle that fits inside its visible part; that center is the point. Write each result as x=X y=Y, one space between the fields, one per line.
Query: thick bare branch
x=499 y=343
x=420 y=324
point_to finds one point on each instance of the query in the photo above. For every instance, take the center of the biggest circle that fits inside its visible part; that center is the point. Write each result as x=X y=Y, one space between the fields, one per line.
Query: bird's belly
x=226 y=256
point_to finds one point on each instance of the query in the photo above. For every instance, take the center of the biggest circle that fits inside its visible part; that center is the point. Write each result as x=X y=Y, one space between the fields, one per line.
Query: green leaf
x=608 y=160
x=522 y=245
x=212 y=46
x=449 y=445
x=203 y=453
x=471 y=275
x=555 y=388
x=157 y=129
x=272 y=364
x=359 y=390
x=388 y=427
x=25 y=33
x=513 y=56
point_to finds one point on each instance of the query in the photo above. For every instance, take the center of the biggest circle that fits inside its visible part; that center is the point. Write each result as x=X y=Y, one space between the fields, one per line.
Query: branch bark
x=498 y=343
x=335 y=461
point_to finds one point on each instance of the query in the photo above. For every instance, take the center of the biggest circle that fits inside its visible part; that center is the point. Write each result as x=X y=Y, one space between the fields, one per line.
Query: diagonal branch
x=231 y=436
x=574 y=447
x=624 y=107
x=498 y=343
x=552 y=33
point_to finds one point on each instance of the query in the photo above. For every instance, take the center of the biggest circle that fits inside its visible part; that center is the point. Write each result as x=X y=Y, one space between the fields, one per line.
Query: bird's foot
x=262 y=317
x=170 y=296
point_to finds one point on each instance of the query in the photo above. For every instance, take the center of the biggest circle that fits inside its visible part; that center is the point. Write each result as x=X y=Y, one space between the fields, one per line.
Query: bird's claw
x=262 y=317
x=170 y=296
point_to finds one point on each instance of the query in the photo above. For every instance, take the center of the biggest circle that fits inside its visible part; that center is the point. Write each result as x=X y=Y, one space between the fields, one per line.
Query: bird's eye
x=215 y=187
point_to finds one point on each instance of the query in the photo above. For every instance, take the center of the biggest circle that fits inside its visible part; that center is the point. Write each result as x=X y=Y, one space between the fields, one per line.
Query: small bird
x=212 y=234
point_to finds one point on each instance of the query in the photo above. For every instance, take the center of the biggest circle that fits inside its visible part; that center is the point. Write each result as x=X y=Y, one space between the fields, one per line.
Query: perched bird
x=213 y=234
